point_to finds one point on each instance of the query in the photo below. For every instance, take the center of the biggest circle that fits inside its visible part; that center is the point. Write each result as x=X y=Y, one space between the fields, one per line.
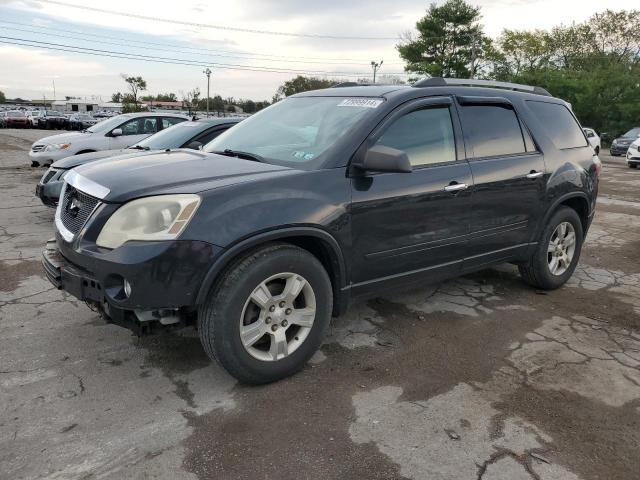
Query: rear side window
x=493 y=130
x=559 y=124
x=425 y=135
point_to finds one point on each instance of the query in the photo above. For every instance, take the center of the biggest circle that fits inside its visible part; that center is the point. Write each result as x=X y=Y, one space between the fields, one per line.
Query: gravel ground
x=479 y=377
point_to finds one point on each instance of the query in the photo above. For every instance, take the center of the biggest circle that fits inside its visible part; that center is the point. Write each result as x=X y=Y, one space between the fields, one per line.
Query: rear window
x=559 y=124
x=493 y=130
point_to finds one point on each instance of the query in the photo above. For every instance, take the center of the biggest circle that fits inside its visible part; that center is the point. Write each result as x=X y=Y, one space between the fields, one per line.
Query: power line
x=170 y=60
x=211 y=26
x=179 y=49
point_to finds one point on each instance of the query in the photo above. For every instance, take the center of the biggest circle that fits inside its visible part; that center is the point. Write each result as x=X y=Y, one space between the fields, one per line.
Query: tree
x=136 y=84
x=191 y=99
x=449 y=43
x=2 y=97
x=301 y=84
x=116 y=97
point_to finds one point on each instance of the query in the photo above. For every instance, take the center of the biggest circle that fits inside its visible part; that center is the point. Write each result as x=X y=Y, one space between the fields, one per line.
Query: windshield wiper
x=138 y=147
x=240 y=154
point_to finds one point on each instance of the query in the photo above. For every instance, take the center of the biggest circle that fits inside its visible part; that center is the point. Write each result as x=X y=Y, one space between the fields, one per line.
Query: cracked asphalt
x=480 y=377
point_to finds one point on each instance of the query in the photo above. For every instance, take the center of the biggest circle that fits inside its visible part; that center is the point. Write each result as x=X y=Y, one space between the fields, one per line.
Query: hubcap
x=277 y=317
x=561 y=249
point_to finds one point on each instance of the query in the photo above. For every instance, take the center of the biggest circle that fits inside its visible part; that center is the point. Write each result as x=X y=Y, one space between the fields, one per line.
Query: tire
x=537 y=271
x=597 y=149
x=633 y=165
x=230 y=301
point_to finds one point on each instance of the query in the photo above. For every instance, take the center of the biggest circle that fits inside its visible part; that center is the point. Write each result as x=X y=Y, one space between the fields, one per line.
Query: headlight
x=56 y=146
x=615 y=142
x=162 y=217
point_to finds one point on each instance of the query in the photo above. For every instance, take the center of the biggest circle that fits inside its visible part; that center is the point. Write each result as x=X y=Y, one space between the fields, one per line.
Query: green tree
x=449 y=42
x=302 y=84
x=2 y=97
x=116 y=97
x=135 y=84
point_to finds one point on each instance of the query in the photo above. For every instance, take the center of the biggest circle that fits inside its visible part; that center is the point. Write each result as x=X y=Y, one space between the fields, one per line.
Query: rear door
x=407 y=226
x=509 y=180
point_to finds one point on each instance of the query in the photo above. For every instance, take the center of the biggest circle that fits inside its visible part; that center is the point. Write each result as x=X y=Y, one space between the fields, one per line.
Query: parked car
x=182 y=135
x=113 y=133
x=633 y=154
x=593 y=138
x=15 y=119
x=620 y=145
x=50 y=119
x=81 y=121
x=324 y=197
x=32 y=117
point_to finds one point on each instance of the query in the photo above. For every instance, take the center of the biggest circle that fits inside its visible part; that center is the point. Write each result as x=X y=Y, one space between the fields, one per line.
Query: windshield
x=15 y=114
x=633 y=133
x=295 y=130
x=107 y=124
x=172 y=137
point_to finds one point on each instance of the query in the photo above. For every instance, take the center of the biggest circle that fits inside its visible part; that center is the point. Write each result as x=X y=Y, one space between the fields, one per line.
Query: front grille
x=76 y=208
x=48 y=175
x=37 y=148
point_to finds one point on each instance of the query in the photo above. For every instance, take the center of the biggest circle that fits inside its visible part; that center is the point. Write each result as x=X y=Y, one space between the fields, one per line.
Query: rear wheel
x=597 y=149
x=557 y=252
x=633 y=165
x=268 y=314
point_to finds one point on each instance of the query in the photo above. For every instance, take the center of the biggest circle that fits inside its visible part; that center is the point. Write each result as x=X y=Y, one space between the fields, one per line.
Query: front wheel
x=268 y=314
x=633 y=165
x=557 y=252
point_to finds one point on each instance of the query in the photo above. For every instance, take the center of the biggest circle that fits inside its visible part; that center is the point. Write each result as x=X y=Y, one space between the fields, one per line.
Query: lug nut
x=282 y=304
x=288 y=311
x=272 y=308
x=284 y=323
x=274 y=327
x=267 y=320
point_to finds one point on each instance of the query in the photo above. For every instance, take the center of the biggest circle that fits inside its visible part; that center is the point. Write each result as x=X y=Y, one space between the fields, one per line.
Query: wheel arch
x=316 y=241
x=86 y=150
x=578 y=201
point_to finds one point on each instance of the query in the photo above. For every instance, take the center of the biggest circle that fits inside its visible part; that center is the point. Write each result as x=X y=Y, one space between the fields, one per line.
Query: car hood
x=76 y=160
x=177 y=171
x=63 y=138
x=625 y=139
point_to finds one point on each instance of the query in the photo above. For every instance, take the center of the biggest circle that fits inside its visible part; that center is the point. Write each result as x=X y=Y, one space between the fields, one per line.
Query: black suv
x=321 y=198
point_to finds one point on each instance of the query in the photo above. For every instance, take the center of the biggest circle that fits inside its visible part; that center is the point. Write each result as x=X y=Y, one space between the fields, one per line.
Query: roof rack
x=472 y=82
x=359 y=84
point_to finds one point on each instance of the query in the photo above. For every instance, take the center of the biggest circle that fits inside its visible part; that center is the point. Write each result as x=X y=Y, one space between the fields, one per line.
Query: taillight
x=598 y=165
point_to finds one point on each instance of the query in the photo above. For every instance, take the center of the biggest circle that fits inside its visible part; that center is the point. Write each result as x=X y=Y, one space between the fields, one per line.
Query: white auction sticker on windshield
x=361 y=102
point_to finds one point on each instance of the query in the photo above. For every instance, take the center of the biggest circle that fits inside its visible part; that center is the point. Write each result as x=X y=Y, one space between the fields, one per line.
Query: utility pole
x=54 y=88
x=207 y=72
x=375 y=67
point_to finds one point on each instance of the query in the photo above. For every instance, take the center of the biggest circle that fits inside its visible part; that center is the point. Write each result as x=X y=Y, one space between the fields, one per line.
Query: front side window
x=140 y=126
x=426 y=136
x=559 y=124
x=493 y=130
x=297 y=130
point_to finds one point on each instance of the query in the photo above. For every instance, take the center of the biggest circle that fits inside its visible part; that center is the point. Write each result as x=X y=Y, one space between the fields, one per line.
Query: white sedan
x=594 y=139
x=633 y=154
x=112 y=134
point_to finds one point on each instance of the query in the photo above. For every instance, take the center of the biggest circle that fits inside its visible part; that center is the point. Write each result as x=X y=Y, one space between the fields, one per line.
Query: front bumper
x=161 y=275
x=42 y=157
x=50 y=185
x=618 y=149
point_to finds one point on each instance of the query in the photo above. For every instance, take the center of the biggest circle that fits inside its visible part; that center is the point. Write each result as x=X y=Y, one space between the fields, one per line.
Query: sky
x=334 y=38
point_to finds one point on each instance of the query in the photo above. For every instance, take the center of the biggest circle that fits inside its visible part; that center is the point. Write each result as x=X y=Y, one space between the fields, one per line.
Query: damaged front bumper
x=138 y=296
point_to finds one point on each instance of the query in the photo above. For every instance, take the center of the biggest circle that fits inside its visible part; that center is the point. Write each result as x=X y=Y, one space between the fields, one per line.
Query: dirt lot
x=480 y=377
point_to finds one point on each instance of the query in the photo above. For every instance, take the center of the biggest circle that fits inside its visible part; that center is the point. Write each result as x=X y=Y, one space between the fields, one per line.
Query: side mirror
x=116 y=132
x=195 y=145
x=386 y=159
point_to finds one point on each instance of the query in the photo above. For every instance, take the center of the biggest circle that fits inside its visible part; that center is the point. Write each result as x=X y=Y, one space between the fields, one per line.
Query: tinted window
x=207 y=137
x=559 y=124
x=425 y=135
x=169 y=121
x=493 y=130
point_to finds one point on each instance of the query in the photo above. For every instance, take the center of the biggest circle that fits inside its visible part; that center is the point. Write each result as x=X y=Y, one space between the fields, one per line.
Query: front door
x=409 y=226
x=509 y=181
x=133 y=131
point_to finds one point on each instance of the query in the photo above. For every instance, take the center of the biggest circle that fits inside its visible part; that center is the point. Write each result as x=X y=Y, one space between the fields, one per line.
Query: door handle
x=533 y=175
x=456 y=187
